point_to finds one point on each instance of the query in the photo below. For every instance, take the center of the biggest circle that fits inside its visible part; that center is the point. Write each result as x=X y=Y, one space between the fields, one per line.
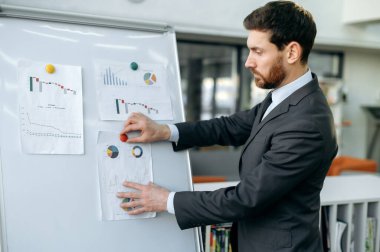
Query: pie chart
x=112 y=151
x=137 y=151
x=150 y=78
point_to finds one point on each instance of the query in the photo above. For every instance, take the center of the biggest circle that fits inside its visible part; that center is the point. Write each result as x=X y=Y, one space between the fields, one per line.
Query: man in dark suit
x=289 y=144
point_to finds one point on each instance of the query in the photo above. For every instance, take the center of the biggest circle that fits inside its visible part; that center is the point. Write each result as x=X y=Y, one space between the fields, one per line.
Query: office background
x=211 y=47
x=212 y=52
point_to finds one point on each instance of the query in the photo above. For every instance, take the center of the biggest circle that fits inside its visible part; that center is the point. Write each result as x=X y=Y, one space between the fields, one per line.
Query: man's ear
x=294 y=52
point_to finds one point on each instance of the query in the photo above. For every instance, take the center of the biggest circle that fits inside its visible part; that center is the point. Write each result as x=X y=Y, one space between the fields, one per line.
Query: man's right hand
x=150 y=130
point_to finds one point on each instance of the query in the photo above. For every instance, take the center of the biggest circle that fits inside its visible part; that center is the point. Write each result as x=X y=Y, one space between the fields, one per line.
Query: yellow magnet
x=50 y=68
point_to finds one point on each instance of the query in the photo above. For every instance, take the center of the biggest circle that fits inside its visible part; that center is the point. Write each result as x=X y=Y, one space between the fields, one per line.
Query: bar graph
x=38 y=85
x=111 y=79
x=121 y=104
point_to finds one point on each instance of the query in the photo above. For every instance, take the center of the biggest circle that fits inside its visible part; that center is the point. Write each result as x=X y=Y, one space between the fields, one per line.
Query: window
x=215 y=81
x=326 y=64
x=211 y=82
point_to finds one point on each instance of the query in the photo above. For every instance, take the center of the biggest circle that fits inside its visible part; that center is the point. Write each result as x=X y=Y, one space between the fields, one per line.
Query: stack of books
x=370 y=238
x=217 y=238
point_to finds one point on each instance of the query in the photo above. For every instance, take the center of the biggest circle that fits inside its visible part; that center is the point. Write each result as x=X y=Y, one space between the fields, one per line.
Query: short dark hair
x=287 y=22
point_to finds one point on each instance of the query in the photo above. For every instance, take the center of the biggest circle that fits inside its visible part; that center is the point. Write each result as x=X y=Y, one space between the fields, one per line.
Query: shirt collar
x=278 y=95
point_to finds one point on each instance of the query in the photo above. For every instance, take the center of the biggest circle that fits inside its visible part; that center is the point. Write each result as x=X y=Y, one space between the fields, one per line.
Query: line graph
x=32 y=128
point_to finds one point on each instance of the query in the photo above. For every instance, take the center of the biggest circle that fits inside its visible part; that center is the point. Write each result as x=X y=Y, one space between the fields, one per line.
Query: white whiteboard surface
x=51 y=202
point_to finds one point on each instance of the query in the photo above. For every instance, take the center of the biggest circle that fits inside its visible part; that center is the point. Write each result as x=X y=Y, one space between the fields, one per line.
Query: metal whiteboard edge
x=3 y=238
x=15 y=11
x=197 y=230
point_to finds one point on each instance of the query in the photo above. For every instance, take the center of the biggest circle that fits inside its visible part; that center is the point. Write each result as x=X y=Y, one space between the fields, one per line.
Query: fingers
x=134 y=185
x=132 y=195
x=136 y=211
x=129 y=204
x=150 y=131
x=133 y=123
x=140 y=139
x=131 y=127
x=131 y=200
x=133 y=207
x=135 y=118
x=147 y=198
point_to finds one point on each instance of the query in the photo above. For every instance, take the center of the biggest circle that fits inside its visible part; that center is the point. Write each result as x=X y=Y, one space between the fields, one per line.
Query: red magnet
x=123 y=137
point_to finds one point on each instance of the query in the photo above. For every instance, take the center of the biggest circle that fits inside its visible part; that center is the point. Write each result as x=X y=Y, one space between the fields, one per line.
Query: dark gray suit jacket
x=282 y=167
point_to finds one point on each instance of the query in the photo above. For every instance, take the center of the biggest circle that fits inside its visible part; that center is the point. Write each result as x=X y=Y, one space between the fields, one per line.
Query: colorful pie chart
x=137 y=151
x=112 y=151
x=150 y=78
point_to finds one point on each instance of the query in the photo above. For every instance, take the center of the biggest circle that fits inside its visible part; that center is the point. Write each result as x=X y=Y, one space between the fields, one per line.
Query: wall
x=361 y=11
x=362 y=79
x=332 y=31
x=216 y=17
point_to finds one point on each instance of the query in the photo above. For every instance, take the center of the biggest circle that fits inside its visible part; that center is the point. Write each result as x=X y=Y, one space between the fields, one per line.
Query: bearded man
x=288 y=145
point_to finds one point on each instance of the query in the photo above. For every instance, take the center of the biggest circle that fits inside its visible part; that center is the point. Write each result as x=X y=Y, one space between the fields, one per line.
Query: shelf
x=353 y=200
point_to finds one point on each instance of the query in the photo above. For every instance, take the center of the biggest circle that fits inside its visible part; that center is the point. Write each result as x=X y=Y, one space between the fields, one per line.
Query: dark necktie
x=265 y=104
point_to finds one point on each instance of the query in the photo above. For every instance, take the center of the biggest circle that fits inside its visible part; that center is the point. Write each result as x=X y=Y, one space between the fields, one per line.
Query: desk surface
x=337 y=189
x=373 y=111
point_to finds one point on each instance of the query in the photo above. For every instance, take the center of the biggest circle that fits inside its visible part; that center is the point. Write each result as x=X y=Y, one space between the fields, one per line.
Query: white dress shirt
x=278 y=95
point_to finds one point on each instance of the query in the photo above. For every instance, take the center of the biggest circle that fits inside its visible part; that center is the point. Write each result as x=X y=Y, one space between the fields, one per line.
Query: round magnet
x=134 y=66
x=123 y=137
x=50 y=68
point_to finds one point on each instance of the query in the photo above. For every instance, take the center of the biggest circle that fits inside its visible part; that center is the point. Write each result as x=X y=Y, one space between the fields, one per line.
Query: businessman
x=288 y=145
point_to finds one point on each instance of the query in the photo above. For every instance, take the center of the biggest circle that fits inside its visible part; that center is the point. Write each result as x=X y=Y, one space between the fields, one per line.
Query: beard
x=276 y=76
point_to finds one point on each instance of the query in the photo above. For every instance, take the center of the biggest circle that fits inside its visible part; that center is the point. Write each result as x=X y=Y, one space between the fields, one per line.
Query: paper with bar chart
x=117 y=162
x=122 y=90
x=51 y=109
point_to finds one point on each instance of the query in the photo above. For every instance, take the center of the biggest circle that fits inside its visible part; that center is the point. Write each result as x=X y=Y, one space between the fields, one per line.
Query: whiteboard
x=51 y=202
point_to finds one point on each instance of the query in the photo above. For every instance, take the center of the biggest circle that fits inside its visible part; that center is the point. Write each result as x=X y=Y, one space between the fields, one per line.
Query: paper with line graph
x=122 y=90
x=117 y=162
x=50 y=109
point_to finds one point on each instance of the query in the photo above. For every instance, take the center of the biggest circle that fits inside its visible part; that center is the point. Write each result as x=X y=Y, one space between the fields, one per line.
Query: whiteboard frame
x=3 y=237
x=13 y=11
x=197 y=230
x=81 y=18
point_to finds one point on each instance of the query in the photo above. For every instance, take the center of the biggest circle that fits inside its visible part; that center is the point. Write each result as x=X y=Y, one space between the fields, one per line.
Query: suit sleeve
x=294 y=153
x=233 y=130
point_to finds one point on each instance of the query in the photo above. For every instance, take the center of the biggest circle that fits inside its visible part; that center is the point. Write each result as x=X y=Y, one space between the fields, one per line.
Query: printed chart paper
x=122 y=90
x=117 y=162
x=50 y=109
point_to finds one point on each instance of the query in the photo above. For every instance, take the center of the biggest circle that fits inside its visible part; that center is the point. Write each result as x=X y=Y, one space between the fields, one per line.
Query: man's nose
x=250 y=63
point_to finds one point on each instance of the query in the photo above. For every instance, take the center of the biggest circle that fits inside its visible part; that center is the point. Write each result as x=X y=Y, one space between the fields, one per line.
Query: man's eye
x=259 y=52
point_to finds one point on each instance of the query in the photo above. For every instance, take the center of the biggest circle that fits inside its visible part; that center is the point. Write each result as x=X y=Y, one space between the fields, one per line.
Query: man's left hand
x=147 y=198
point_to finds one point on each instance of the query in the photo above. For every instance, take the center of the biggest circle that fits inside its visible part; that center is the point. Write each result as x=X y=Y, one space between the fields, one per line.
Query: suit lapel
x=277 y=111
x=257 y=118
x=282 y=108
